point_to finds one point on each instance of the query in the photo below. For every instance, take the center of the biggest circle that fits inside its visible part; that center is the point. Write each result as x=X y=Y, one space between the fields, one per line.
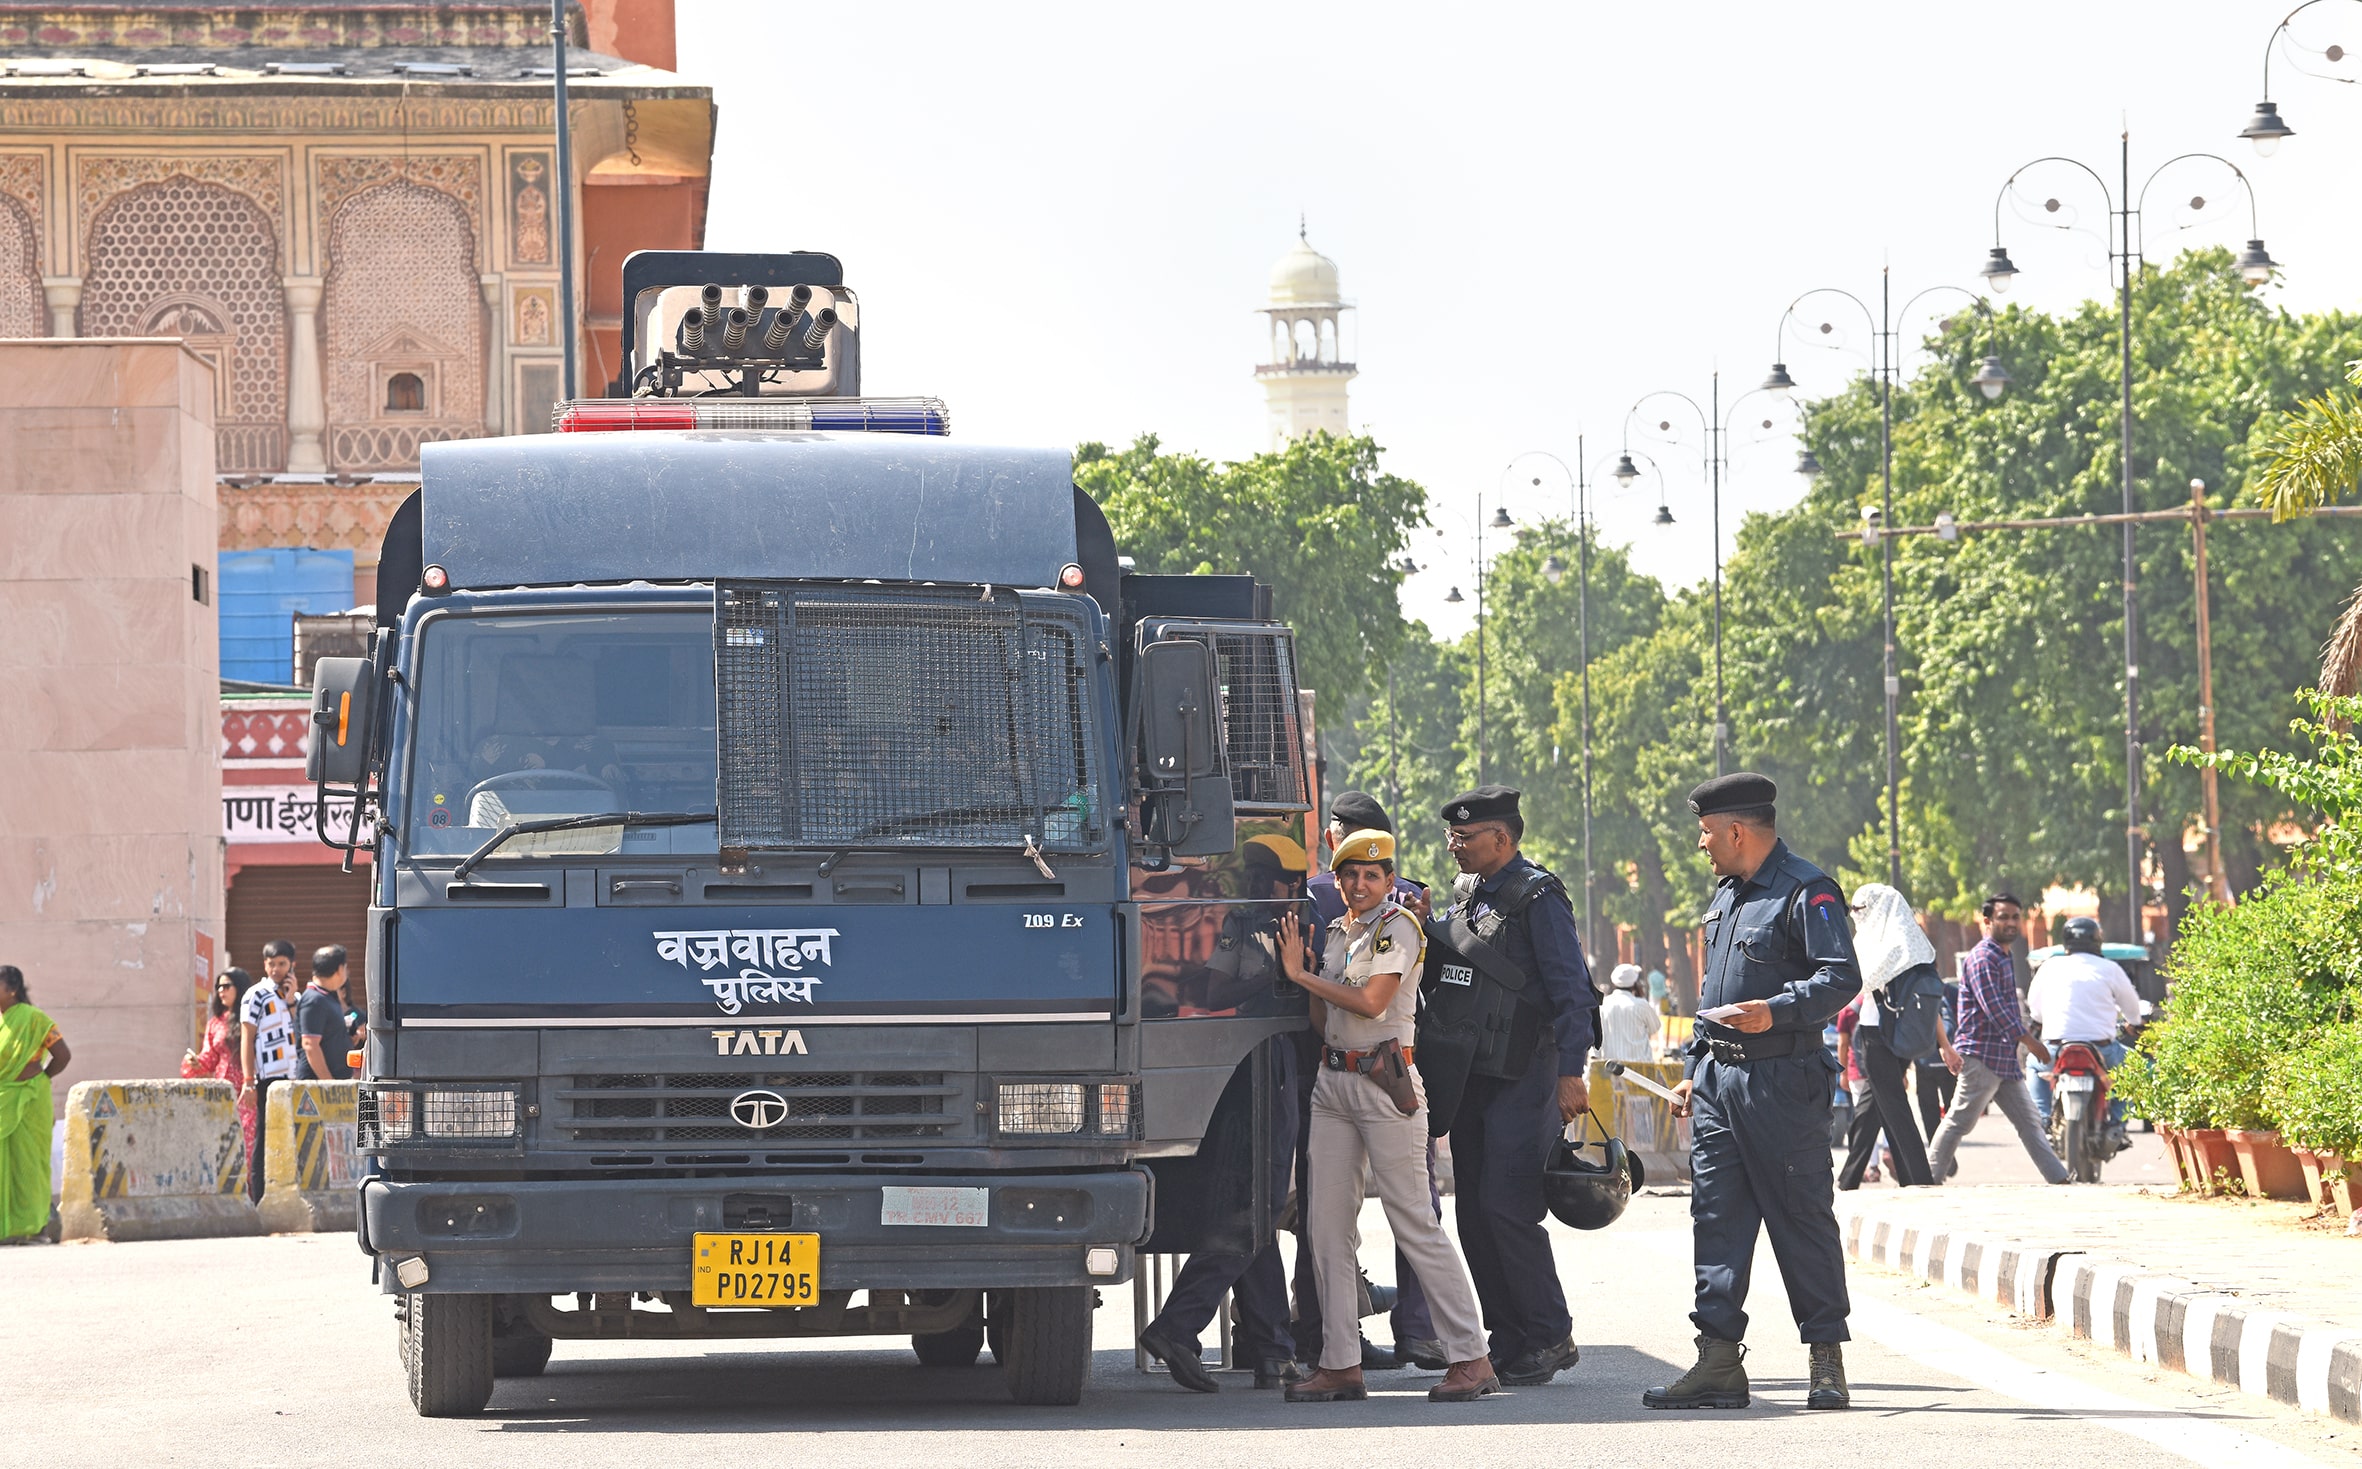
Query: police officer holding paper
x=1510 y=1021
x=1779 y=964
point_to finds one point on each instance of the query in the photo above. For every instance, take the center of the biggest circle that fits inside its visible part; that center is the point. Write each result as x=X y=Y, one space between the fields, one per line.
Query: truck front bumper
x=550 y=1238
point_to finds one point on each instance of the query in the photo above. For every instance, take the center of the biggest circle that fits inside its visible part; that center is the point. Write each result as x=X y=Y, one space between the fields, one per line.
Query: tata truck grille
x=649 y=1116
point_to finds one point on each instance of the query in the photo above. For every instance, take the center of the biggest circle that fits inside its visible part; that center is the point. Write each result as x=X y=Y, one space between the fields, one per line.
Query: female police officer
x=1364 y=1013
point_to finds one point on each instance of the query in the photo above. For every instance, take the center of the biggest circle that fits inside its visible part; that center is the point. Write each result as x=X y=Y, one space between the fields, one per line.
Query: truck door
x=1221 y=1027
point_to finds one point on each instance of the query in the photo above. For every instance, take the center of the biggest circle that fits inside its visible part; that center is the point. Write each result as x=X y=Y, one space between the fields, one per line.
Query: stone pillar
x=64 y=293
x=307 y=401
x=110 y=811
x=495 y=356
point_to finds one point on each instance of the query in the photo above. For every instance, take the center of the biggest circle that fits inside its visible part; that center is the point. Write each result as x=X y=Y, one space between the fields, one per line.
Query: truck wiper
x=574 y=823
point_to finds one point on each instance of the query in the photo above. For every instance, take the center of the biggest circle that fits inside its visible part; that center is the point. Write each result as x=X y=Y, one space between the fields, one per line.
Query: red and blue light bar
x=800 y=415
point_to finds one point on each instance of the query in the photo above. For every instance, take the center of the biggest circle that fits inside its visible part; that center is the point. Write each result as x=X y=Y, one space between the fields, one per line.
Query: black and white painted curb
x=2147 y=1316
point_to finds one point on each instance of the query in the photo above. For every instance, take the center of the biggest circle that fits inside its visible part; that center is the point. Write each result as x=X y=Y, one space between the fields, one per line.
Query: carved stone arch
x=401 y=296
x=182 y=241
x=21 y=313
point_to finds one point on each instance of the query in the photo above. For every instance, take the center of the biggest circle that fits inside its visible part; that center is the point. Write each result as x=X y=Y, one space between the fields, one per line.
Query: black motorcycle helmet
x=1583 y=1194
x=2080 y=935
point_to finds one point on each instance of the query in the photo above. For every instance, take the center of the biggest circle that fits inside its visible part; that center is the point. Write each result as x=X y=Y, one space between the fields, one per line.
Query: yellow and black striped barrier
x=308 y=1174
x=154 y=1160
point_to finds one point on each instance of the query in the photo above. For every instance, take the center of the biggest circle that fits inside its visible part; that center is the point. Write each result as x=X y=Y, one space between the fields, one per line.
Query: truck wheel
x=957 y=1347
x=447 y=1348
x=1048 y=1334
x=518 y=1350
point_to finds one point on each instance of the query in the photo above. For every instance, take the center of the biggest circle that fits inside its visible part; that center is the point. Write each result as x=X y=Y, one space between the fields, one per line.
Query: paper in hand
x=1721 y=1014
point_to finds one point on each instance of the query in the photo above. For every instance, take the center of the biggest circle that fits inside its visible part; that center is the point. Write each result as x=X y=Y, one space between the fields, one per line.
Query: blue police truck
x=806 y=870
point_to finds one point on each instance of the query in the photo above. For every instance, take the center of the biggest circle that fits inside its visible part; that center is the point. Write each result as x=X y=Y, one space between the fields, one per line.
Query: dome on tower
x=1304 y=277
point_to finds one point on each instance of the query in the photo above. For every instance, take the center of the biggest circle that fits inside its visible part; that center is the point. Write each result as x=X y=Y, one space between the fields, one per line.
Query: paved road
x=276 y=1351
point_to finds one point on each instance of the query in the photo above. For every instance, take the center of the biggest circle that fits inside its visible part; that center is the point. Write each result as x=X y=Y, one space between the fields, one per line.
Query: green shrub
x=2316 y=1091
x=2253 y=987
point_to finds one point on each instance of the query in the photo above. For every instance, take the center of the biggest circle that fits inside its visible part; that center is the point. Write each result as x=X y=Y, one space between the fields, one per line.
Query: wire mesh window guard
x=1262 y=723
x=903 y=717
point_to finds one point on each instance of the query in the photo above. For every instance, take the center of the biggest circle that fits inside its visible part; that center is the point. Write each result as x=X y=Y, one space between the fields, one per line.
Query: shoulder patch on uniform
x=1385 y=945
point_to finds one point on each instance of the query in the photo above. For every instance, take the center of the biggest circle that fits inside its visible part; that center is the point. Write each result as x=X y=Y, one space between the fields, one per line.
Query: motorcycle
x=2079 y=1111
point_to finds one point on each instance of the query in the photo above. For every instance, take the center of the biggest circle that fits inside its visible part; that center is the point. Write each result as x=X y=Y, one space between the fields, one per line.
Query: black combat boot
x=1718 y=1381
x=1828 y=1369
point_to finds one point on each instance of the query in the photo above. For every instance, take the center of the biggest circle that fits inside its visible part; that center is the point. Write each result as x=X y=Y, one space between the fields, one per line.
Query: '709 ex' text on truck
x=805 y=870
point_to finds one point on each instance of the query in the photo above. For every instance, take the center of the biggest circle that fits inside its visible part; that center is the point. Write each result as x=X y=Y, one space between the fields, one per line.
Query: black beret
x=1738 y=791
x=1359 y=811
x=1485 y=803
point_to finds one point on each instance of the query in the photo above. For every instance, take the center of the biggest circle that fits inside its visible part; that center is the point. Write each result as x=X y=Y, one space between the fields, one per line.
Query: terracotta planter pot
x=2338 y=1184
x=2267 y=1165
x=2211 y=1156
x=2320 y=1168
x=2177 y=1148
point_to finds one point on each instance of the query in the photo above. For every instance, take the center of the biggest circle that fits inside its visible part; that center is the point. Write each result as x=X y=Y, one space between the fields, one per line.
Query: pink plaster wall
x=110 y=711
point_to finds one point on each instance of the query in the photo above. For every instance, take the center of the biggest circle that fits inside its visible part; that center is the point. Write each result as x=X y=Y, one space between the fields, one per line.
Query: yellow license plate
x=755 y=1270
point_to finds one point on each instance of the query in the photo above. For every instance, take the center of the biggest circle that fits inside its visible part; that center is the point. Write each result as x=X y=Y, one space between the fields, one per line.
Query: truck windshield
x=566 y=714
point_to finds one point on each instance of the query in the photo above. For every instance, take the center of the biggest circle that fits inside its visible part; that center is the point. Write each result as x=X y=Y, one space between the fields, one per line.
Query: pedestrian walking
x=266 y=1048
x=1991 y=1033
x=1889 y=947
x=1511 y=931
x=1933 y=1078
x=321 y=1026
x=32 y=1053
x=1779 y=965
x=1627 y=1022
x=1408 y=1317
x=220 y=1058
x=1861 y=1109
x=1369 y=1114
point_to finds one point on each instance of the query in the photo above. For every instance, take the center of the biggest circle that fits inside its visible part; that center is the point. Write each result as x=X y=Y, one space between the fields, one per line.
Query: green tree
x=1318 y=521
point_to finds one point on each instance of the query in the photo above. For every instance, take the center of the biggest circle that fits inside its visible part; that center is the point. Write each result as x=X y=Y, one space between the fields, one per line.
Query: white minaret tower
x=1305 y=373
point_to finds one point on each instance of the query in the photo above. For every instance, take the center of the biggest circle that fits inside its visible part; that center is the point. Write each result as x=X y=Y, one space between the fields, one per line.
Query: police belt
x=1736 y=1047
x=1362 y=1061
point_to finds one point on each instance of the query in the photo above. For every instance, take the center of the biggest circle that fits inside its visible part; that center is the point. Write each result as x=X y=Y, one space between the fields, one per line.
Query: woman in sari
x=31 y=1052
x=219 y=1059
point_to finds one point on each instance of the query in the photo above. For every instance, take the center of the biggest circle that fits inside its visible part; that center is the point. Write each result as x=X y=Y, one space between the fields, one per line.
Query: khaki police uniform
x=1355 y=1124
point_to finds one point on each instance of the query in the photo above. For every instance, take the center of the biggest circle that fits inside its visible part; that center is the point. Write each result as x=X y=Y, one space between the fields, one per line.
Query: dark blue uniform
x=1256 y=1282
x=1759 y=1129
x=1502 y=1136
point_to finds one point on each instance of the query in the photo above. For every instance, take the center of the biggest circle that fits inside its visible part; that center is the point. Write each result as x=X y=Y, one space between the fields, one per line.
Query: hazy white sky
x=1061 y=217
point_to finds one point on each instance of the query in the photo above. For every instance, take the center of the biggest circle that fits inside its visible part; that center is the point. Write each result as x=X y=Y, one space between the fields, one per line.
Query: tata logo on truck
x=759 y=1043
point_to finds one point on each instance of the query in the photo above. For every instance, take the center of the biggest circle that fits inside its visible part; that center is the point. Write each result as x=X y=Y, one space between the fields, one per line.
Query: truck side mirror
x=1186 y=806
x=344 y=706
x=1178 y=700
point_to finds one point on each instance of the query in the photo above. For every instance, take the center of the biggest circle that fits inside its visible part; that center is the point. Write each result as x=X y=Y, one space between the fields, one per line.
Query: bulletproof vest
x=1479 y=989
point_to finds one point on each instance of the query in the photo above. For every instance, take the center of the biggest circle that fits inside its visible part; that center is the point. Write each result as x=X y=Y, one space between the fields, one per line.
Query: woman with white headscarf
x=1889 y=944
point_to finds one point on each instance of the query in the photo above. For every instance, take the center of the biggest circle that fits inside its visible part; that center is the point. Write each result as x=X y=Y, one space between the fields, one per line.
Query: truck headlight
x=1041 y=1106
x=1094 y=1108
x=399 y=1114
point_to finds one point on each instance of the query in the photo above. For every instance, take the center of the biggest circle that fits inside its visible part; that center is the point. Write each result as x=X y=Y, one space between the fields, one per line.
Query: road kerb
x=2147 y=1315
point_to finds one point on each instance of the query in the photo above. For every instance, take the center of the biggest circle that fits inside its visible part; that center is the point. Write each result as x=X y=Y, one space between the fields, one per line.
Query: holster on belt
x=1731 y=1047
x=1385 y=1064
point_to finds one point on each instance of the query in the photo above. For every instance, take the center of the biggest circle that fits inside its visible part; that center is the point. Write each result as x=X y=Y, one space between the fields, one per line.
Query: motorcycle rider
x=2077 y=997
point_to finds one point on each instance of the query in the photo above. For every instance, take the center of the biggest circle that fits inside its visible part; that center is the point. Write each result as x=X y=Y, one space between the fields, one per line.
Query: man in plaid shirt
x=1988 y=1033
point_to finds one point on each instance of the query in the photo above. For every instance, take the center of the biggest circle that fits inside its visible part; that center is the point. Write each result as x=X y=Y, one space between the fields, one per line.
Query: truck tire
x=519 y=1351
x=957 y=1347
x=1048 y=1336
x=447 y=1350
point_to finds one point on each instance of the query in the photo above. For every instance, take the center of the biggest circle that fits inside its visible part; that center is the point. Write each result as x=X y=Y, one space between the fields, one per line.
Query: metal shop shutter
x=308 y=906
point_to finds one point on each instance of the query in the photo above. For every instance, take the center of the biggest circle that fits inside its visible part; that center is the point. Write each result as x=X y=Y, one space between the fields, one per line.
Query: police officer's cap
x=1364 y=846
x=1485 y=803
x=1741 y=790
x=1360 y=811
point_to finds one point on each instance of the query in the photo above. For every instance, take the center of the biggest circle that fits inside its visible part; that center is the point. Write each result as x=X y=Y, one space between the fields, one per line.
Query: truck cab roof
x=701 y=505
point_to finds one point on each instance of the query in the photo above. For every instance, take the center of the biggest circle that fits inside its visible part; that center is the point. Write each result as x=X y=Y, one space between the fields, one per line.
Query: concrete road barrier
x=1643 y=1120
x=309 y=1176
x=154 y=1160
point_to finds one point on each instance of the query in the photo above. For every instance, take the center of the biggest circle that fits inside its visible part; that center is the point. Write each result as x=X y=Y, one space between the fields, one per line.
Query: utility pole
x=563 y=187
x=2136 y=932
x=2218 y=882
